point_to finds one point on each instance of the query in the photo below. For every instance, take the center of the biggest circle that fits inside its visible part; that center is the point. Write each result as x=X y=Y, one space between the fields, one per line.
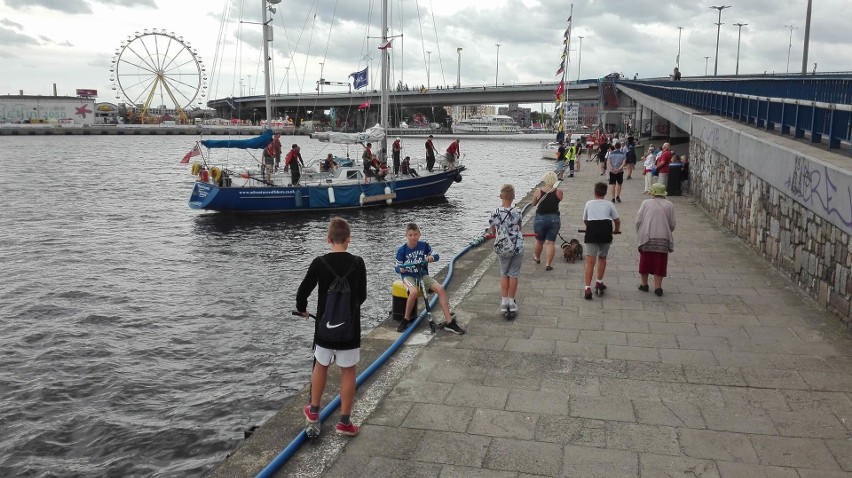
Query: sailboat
x=549 y=150
x=224 y=190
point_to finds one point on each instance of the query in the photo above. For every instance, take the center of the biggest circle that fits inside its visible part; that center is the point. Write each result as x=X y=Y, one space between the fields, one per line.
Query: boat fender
x=458 y=178
x=331 y=195
x=204 y=177
x=361 y=199
x=196 y=168
x=388 y=191
x=216 y=174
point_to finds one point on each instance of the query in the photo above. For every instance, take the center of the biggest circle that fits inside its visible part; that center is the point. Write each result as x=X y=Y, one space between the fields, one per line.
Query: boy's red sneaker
x=309 y=416
x=349 y=430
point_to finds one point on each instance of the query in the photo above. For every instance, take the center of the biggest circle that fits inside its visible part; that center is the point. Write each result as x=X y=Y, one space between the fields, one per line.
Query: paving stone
x=536 y=458
x=382 y=466
x=580 y=350
x=530 y=346
x=450 y=471
x=766 y=399
x=482 y=342
x=580 y=323
x=842 y=451
x=603 y=408
x=420 y=391
x=747 y=470
x=655 y=372
x=673 y=328
x=559 y=335
x=716 y=445
x=655 y=439
x=496 y=423
x=388 y=442
x=619 y=352
x=740 y=420
x=425 y=416
x=811 y=424
x=457 y=374
x=586 y=462
x=572 y=385
x=571 y=430
x=626 y=325
x=688 y=357
x=715 y=330
x=793 y=452
x=714 y=375
x=389 y=413
x=827 y=381
x=452 y=448
x=602 y=337
x=743 y=359
x=824 y=401
x=513 y=378
x=593 y=367
x=779 y=379
x=536 y=401
x=651 y=465
x=657 y=412
x=805 y=473
x=652 y=340
x=630 y=389
x=696 y=394
x=701 y=342
x=466 y=395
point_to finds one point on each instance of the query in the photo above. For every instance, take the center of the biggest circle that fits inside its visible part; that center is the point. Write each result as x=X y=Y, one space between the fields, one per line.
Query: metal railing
x=817 y=107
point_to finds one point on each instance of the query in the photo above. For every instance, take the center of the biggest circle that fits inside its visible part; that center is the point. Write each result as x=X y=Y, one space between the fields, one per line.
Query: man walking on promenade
x=663 y=162
x=615 y=166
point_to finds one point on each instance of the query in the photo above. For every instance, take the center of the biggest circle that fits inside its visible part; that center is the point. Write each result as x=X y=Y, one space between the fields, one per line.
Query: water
x=141 y=338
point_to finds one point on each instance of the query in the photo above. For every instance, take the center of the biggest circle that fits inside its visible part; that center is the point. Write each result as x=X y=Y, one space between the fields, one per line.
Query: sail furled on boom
x=371 y=135
x=258 y=142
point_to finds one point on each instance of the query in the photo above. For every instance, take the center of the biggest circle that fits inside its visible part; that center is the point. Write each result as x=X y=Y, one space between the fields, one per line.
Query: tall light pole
x=497 y=74
x=579 y=58
x=677 y=60
x=428 y=68
x=807 y=41
x=739 y=32
x=706 y=59
x=789 y=48
x=718 y=29
x=319 y=83
x=458 y=77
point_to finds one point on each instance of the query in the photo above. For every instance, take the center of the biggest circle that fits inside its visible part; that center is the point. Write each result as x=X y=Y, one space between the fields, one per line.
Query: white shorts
x=344 y=358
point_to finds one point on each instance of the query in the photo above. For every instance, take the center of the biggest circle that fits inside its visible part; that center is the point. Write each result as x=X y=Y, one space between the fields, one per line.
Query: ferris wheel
x=159 y=73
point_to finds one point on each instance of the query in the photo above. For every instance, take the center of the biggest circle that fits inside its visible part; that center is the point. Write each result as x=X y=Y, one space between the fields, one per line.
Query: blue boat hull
x=209 y=197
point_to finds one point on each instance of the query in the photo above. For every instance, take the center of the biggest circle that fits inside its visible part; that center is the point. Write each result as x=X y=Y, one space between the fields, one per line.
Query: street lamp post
x=320 y=82
x=428 y=69
x=677 y=60
x=790 y=47
x=579 y=58
x=807 y=40
x=718 y=29
x=497 y=74
x=739 y=33
x=706 y=59
x=458 y=74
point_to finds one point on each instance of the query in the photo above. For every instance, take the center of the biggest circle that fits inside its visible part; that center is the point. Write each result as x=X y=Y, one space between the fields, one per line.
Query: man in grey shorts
x=599 y=215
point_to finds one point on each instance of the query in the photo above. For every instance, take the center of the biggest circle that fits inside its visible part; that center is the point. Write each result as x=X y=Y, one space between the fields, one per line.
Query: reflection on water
x=139 y=337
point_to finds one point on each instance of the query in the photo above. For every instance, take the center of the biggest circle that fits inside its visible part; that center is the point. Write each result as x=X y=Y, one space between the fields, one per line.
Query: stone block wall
x=796 y=218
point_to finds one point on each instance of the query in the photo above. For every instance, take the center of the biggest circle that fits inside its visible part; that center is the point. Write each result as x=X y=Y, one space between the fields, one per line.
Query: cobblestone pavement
x=730 y=374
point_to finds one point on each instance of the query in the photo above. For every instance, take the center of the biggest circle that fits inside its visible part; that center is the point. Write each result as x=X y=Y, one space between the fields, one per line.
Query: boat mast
x=566 y=59
x=267 y=37
x=385 y=95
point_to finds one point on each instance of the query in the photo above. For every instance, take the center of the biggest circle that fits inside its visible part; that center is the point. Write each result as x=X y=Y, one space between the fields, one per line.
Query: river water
x=141 y=338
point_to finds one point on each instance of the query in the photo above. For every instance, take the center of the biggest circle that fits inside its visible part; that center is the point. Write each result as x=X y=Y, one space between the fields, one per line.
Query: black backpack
x=337 y=324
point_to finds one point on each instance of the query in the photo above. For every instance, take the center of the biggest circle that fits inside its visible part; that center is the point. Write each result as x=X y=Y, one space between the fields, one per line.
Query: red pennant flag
x=364 y=105
x=561 y=69
x=191 y=154
x=386 y=45
x=559 y=89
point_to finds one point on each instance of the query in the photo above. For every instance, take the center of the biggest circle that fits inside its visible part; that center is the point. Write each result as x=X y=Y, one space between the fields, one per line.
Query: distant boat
x=226 y=190
x=487 y=124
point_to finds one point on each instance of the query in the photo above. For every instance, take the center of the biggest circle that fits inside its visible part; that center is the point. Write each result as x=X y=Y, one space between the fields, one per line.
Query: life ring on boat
x=216 y=174
x=388 y=201
x=196 y=168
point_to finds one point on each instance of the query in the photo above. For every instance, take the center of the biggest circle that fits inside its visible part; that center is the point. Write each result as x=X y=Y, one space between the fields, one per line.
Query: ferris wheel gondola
x=160 y=73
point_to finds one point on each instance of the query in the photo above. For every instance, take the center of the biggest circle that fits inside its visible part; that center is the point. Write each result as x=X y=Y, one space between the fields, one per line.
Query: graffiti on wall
x=812 y=184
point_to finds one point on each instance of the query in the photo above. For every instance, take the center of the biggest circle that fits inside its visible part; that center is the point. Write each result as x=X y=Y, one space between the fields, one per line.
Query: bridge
x=770 y=161
x=470 y=95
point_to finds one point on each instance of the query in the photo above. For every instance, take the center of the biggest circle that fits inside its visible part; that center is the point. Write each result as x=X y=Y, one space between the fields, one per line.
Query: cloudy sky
x=71 y=42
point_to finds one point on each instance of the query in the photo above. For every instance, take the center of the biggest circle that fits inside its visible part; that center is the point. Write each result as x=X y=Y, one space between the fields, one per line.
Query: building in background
x=520 y=115
x=20 y=109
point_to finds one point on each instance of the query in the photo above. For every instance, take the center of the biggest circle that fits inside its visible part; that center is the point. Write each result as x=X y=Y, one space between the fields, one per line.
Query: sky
x=72 y=42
